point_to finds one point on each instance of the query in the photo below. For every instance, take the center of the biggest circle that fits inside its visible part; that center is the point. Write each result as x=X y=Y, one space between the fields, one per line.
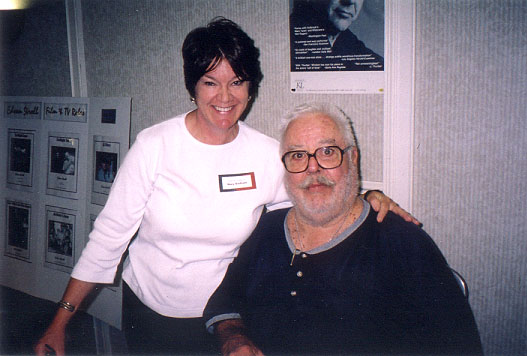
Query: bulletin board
x=60 y=157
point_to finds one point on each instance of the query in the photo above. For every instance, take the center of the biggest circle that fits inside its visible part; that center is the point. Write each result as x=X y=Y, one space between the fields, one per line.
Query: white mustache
x=318 y=179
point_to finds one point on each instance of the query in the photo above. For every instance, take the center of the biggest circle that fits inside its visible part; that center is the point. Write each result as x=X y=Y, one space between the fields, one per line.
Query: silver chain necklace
x=299 y=237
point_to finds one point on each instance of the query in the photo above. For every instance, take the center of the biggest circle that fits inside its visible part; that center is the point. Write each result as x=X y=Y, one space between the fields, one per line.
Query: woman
x=193 y=188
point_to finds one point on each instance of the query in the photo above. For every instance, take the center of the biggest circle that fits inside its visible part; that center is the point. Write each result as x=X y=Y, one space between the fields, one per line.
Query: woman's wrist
x=67 y=306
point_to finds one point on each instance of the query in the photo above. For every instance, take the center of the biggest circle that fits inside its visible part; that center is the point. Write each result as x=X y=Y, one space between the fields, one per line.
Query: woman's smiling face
x=221 y=98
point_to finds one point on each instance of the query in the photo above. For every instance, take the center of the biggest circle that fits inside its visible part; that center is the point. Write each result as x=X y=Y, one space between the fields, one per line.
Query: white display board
x=61 y=155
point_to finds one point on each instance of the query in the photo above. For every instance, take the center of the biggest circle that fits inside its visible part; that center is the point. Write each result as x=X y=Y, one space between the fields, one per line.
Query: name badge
x=237 y=182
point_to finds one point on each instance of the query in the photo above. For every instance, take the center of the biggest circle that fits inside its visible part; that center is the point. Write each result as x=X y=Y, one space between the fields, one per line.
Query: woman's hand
x=382 y=203
x=51 y=343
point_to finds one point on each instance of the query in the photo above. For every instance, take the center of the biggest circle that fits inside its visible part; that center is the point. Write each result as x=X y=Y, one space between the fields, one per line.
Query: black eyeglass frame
x=309 y=155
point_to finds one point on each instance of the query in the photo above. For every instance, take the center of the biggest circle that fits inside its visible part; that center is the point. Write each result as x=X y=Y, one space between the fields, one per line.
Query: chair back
x=461 y=282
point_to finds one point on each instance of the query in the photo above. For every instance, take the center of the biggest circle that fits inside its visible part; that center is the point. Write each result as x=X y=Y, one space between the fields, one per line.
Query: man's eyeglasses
x=327 y=157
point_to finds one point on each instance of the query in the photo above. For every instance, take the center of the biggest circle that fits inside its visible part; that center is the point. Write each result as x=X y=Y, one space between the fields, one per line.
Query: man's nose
x=312 y=165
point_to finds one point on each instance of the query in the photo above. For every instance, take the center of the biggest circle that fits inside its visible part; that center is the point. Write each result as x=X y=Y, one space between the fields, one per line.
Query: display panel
x=59 y=159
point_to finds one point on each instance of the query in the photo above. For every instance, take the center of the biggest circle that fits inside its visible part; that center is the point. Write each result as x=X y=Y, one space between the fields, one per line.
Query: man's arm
x=222 y=312
x=430 y=311
x=233 y=340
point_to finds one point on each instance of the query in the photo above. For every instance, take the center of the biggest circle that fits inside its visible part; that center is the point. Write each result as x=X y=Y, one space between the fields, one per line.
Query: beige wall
x=470 y=117
x=470 y=156
x=133 y=49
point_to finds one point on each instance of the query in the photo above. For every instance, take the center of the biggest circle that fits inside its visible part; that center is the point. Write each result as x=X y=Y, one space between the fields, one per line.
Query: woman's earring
x=192 y=99
x=249 y=99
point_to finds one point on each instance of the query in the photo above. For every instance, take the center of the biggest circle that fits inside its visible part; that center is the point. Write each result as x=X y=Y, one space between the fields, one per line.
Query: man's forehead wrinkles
x=323 y=142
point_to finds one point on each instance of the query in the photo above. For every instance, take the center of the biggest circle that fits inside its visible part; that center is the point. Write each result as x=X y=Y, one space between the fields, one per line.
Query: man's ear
x=355 y=156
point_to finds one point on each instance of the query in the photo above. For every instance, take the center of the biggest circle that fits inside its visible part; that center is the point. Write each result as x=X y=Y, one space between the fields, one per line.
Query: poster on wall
x=60 y=241
x=105 y=163
x=63 y=162
x=74 y=112
x=22 y=110
x=18 y=230
x=20 y=160
x=337 y=47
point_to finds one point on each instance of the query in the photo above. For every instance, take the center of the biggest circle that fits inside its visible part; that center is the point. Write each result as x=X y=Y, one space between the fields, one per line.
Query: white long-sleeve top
x=194 y=205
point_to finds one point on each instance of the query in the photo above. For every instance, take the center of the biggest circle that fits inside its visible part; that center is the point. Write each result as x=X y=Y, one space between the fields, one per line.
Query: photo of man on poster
x=321 y=39
x=20 y=157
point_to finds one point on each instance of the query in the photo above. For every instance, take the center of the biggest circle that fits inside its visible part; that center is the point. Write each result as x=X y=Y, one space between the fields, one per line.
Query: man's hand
x=233 y=341
x=240 y=346
x=382 y=203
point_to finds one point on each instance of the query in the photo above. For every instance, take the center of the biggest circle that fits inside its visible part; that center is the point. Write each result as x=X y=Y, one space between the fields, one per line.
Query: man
x=324 y=277
x=320 y=35
x=105 y=172
x=68 y=166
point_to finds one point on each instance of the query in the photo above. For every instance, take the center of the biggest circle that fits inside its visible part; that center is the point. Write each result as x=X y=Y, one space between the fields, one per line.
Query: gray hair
x=339 y=117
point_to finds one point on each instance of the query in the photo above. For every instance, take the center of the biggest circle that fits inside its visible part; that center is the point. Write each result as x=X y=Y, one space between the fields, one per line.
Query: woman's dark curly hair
x=205 y=47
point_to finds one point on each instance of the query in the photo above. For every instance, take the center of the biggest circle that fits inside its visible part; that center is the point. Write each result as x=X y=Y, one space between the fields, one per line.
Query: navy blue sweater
x=377 y=288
